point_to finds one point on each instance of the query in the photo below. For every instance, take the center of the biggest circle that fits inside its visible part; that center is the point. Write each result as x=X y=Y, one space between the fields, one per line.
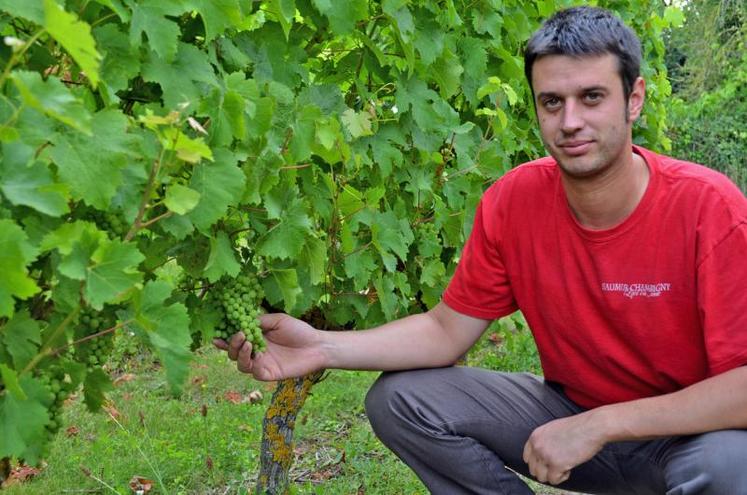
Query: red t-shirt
x=645 y=308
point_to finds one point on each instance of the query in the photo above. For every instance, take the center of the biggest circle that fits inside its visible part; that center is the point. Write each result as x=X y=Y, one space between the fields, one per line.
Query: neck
x=604 y=201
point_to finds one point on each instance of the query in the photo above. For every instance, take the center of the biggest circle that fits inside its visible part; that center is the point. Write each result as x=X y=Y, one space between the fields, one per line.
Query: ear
x=635 y=100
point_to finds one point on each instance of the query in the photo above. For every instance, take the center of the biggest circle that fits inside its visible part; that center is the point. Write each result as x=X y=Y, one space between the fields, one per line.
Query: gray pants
x=463 y=430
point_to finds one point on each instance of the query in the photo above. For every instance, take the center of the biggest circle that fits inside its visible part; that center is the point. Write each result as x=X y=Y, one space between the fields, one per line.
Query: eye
x=551 y=103
x=593 y=97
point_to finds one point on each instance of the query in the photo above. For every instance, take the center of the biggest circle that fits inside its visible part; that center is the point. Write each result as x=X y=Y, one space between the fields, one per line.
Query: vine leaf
x=82 y=165
x=34 y=187
x=149 y=17
x=342 y=15
x=286 y=239
x=181 y=199
x=222 y=260
x=217 y=15
x=75 y=37
x=22 y=421
x=52 y=98
x=95 y=387
x=21 y=336
x=220 y=184
x=391 y=235
x=314 y=258
x=283 y=285
x=114 y=271
x=167 y=329
x=15 y=254
x=357 y=123
x=32 y=10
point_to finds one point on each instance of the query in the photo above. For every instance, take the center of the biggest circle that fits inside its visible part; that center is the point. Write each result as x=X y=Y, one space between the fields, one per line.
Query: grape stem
x=45 y=350
x=92 y=336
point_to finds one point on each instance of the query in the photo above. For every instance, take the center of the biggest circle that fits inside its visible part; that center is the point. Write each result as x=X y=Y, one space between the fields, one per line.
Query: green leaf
x=287 y=282
x=217 y=15
x=391 y=235
x=181 y=199
x=191 y=150
x=167 y=329
x=429 y=41
x=433 y=274
x=112 y=272
x=95 y=387
x=286 y=238
x=75 y=37
x=32 y=10
x=15 y=254
x=34 y=187
x=82 y=164
x=342 y=15
x=359 y=266
x=357 y=123
x=314 y=258
x=284 y=11
x=10 y=381
x=149 y=17
x=222 y=260
x=674 y=16
x=120 y=62
x=181 y=77
x=21 y=336
x=22 y=421
x=219 y=184
x=52 y=98
x=447 y=73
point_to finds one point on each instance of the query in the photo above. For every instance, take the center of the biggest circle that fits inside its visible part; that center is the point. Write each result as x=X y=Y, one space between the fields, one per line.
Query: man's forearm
x=717 y=403
x=436 y=338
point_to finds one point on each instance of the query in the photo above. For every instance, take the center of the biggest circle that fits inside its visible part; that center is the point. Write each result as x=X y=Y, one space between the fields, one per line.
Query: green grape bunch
x=237 y=301
x=113 y=224
x=94 y=352
x=58 y=390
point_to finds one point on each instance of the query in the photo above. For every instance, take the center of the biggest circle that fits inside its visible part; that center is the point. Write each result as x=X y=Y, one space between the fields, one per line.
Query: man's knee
x=712 y=463
x=383 y=398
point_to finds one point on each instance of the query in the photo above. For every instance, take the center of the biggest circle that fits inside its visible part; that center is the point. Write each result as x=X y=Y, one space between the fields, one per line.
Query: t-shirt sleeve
x=722 y=299
x=480 y=286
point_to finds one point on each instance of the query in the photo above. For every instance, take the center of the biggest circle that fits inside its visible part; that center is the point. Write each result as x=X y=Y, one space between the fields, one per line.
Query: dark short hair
x=583 y=31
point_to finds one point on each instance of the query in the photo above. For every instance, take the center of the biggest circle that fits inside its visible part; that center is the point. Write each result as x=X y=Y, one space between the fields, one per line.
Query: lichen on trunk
x=276 y=455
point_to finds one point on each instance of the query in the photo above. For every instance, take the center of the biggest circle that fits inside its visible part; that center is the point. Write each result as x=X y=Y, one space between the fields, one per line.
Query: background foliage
x=707 y=63
x=334 y=150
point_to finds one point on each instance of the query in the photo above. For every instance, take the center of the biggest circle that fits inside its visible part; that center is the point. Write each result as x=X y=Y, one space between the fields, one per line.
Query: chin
x=581 y=169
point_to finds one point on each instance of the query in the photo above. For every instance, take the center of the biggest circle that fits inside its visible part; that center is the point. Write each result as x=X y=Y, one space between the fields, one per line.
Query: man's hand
x=556 y=447
x=294 y=349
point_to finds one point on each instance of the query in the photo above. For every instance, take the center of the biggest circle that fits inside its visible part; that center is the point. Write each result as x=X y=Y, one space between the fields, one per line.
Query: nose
x=571 y=118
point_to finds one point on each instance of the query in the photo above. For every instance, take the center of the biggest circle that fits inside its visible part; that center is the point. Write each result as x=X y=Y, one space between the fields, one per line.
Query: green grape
x=236 y=301
x=95 y=351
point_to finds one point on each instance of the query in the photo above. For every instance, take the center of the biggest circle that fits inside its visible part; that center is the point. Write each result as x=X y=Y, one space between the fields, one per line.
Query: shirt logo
x=637 y=290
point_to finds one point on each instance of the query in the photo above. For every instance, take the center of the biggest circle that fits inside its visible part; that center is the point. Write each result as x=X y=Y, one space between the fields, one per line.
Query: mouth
x=575 y=148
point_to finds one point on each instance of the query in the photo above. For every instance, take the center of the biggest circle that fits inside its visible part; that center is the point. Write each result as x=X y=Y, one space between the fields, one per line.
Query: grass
x=146 y=432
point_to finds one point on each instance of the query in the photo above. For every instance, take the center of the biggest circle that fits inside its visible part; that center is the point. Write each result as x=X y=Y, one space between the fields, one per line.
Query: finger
x=220 y=344
x=540 y=472
x=234 y=345
x=558 y=478
x=245 y=363
x=271 y=321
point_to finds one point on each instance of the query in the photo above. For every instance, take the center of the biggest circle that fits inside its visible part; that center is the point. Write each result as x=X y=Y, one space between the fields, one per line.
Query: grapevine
x=310 y=137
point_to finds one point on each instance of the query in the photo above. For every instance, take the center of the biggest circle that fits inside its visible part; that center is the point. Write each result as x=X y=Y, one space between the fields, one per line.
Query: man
x=631 y=270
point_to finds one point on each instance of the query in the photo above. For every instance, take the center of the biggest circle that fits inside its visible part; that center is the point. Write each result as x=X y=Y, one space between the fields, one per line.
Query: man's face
x=584 y=119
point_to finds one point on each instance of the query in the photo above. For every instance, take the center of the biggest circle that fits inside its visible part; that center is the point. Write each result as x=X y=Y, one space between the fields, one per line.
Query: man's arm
x=433 y=339
x=717 y=403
